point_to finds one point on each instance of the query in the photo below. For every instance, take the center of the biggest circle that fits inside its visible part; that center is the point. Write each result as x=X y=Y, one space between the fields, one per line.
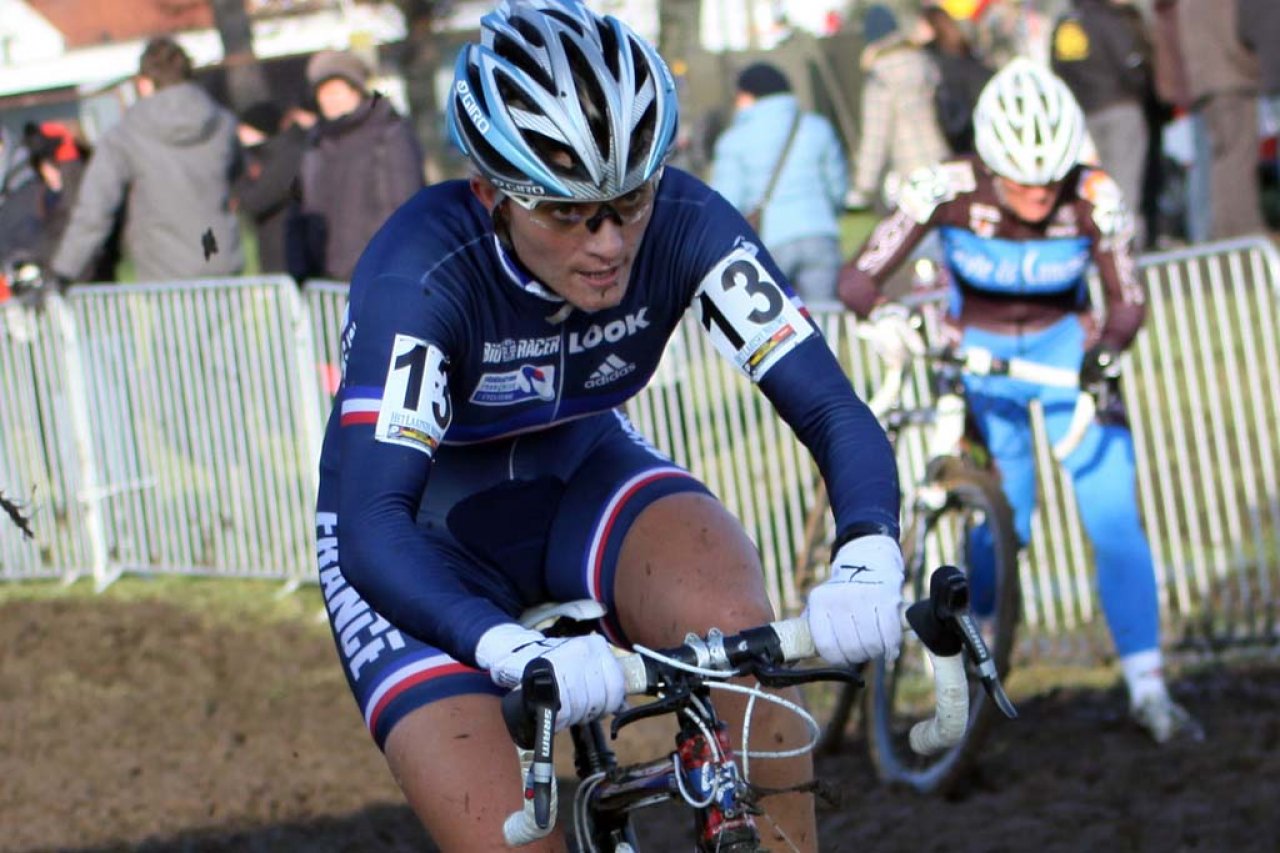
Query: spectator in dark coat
x=1101 y=51
x=59 y=161
x=1181 y=130
x=19 y=199
x=362 y=161
x=1224 y=79
x=268 y=188
x=172 y=159
x=962 y=75
x=1259 y=26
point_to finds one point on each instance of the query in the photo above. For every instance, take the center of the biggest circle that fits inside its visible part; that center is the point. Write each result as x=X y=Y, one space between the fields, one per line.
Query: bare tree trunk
x=679 y=23
x=246 y=82
x=421 y=61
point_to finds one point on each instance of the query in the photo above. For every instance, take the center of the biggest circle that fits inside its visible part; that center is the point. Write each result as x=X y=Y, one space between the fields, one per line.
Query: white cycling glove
x=854 y=614
x=588 y=676
x=892 y=336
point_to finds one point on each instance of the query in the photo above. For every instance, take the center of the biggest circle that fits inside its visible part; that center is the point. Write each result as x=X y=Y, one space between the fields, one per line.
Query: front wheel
x=962 y=520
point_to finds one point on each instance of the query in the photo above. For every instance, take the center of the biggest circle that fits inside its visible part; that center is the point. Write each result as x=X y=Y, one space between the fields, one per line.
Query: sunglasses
x=565 y=216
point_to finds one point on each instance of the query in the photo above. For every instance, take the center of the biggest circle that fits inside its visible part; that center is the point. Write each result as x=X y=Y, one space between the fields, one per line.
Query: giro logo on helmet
x=469 y=104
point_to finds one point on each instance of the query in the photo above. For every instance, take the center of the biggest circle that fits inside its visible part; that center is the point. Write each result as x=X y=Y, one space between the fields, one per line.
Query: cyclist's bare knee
x=457 y=767
x=687 y=565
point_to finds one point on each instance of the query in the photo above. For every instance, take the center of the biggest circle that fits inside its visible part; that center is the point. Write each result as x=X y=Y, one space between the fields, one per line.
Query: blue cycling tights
x=1101 y=468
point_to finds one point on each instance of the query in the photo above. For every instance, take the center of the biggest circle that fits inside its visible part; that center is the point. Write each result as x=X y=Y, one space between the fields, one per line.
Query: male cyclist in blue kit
x=1020 y=224
x=476 y=462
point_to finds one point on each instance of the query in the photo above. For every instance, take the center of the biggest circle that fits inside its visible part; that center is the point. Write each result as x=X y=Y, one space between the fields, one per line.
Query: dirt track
x=140 y=725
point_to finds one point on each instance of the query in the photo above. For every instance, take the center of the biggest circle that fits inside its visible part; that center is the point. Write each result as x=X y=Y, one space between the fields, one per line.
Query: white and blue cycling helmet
x=558 y=102
x=1027 y=126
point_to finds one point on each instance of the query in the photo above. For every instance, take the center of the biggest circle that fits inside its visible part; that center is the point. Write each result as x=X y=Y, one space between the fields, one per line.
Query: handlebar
x=977 y=361
x=941 y=621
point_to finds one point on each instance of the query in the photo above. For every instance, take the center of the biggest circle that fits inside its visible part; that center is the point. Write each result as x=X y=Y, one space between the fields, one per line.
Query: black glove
x=1100 y=376
x=1100 y=366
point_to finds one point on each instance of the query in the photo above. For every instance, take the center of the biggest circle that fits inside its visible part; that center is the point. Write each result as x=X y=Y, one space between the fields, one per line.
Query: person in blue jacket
x=798 y=220
x=476 y=462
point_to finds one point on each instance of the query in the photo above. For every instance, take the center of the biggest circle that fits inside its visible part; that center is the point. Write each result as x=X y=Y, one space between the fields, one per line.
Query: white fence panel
x=197 y=412
x=37 y=452
x=176 y=428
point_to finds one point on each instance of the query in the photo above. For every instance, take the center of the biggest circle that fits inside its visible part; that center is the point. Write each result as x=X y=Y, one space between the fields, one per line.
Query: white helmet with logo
x=1027 y=125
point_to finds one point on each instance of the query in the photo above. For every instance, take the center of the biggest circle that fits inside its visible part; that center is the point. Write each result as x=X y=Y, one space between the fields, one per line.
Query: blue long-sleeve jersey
x=449 y=342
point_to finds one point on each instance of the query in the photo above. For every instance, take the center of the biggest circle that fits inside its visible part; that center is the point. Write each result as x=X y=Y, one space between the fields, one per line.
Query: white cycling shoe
x=1165 y=720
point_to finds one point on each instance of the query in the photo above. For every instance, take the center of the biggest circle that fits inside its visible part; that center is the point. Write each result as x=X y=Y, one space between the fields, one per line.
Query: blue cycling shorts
x=535 y=518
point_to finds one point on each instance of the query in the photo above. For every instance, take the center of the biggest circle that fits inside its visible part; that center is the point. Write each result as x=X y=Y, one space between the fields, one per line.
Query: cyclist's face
x=1029 y=202
x=583 y=252
x=336 y=97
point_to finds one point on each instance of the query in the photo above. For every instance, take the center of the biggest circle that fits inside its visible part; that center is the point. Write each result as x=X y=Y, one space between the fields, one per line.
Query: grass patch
x=854 y=230
x=221 y=600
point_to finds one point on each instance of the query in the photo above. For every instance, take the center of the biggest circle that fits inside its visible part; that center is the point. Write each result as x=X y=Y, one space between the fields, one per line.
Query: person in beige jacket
x=899 y=128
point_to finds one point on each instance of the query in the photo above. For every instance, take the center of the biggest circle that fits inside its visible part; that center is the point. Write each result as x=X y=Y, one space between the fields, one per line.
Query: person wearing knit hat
x=362 y=160
x=900 y=130
x=780 y=179
x=328 y=64
x=878 y=21
x=762 y=79
x=339 y=81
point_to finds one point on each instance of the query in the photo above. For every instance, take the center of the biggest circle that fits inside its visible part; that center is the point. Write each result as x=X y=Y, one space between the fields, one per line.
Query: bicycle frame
x=703 y=770
x=721 y=799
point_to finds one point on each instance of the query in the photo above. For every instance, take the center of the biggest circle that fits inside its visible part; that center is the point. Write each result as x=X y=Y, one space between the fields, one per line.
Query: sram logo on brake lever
x=945 y=625
x=981 y=657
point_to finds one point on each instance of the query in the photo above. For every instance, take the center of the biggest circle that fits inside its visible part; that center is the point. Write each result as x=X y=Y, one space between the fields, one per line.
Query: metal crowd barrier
x=161 y=429
x=175 y=428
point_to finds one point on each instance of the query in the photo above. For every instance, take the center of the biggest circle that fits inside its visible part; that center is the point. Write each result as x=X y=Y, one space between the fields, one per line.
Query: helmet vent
x=528 y=31
x=642 y=137
x=515 y=53
x=590 y=96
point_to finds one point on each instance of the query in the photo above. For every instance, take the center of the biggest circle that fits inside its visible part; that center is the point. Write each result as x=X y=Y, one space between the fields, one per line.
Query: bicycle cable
x=581 y=817
x=721 y=676
x=815 y=731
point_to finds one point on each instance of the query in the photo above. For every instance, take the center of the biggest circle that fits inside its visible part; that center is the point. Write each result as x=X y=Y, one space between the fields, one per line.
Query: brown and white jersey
x=1006 y=273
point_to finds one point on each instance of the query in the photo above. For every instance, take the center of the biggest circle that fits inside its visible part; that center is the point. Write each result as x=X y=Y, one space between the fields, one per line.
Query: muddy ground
x=145 y=725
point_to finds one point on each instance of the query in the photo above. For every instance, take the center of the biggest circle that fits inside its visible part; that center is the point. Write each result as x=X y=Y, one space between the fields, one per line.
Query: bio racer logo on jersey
x=510 y=349
x=748 y=315
x=415 y=410
x=526 y=382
